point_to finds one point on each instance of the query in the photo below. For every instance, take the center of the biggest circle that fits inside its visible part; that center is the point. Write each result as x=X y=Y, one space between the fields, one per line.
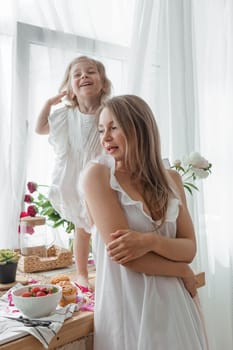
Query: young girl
x=74 y=136
x=143 y=282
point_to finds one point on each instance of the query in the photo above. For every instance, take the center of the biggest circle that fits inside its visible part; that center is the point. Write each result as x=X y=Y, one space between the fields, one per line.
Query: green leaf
x=188 y=189
x=8 y=255
x=46 y=204
x=181 y=168
x=54 y=216
x=41 y=196
x=191 y=185
x=48 y=211
x=58 y=223
x=70 y=227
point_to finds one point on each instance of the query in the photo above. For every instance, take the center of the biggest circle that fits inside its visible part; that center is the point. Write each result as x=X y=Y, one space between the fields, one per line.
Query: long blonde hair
x=65 y=85
x=143 y=154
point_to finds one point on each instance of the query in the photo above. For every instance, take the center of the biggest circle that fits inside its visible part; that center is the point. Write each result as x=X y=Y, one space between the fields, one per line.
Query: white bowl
x=35 y=307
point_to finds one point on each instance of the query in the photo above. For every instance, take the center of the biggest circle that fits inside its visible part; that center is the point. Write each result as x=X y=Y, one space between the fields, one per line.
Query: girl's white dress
x=134 y=311
x=75 y=140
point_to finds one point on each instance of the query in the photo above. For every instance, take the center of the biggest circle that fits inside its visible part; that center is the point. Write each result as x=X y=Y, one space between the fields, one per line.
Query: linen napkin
x=43 y=334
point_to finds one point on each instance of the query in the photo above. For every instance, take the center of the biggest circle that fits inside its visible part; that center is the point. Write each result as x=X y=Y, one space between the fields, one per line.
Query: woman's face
x=112 y=137
x=85 y=79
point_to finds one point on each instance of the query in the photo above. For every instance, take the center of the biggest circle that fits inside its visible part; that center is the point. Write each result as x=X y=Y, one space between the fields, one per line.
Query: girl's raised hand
x=57 y=99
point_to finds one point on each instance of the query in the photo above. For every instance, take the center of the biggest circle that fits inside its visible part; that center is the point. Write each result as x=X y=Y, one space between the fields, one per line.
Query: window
x=42 y=57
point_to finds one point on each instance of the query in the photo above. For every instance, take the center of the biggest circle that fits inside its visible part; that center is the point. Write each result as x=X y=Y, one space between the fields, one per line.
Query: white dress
x=134 y=311
x=75 y=140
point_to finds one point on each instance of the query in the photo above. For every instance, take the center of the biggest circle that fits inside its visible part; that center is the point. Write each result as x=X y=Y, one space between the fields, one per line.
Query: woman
x=141 y=299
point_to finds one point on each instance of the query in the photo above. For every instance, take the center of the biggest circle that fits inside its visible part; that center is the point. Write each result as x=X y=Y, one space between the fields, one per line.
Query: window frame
x=29 y=34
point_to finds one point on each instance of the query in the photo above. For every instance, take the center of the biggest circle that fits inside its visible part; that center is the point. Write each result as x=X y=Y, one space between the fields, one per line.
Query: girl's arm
x=42 y=125
x=128 y=245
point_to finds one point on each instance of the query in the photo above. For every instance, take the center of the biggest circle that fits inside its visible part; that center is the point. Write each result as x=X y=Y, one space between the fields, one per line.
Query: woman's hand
x=128 y=245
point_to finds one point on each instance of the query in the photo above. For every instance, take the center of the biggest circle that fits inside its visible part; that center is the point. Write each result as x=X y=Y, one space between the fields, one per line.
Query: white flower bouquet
x=193 y=167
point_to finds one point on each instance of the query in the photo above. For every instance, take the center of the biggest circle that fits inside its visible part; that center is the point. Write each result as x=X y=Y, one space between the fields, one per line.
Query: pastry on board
x=69 y=290
x=58 y=278
x=69 y=293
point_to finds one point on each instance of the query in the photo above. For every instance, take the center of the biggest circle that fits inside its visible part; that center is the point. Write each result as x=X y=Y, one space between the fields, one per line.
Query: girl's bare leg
x=81 y=248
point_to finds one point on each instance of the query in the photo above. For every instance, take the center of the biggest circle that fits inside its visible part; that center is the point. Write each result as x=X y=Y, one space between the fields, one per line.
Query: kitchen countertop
x=80 y=325
x=76 y=327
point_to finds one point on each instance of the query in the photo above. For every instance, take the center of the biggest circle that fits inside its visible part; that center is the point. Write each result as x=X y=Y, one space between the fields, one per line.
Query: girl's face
x=85 y=79
x=112 y=137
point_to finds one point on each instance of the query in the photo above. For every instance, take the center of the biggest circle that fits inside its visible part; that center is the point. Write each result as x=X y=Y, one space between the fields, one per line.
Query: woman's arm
x=42 y=125
x=128 y=245
x=102 y=201
x=183 y=246
x=185 y=234
x=106 y=212
x=154 y=265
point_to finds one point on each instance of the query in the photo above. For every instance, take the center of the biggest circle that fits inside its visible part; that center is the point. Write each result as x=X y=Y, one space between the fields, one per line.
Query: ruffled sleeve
x=58 y=134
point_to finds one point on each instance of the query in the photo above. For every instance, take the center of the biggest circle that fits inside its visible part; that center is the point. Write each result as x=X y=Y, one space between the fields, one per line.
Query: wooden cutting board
x=19 y=279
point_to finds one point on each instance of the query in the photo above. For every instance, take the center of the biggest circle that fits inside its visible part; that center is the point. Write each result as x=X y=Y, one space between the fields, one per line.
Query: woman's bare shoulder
x=95 y=173
x=178 y=184
x=175 y=177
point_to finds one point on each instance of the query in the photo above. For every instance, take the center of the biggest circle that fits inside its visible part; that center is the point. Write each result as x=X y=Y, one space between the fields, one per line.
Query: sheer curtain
x=160 y=50
x=185 y=73
x=181 y=63
x=213 y=22
x=32 y=72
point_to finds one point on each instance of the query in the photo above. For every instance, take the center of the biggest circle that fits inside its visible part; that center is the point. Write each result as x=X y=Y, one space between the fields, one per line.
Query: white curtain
x=213 y=22
x=184 y=70
x=31 y=71
x=181 y=63
x=161 y=70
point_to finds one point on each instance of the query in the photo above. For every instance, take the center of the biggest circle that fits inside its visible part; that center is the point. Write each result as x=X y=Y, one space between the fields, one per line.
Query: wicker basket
x=57 y=257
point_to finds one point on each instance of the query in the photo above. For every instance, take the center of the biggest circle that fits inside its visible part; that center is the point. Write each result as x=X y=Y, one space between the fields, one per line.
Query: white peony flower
x=177 y=163
x=194 y=167
x=200 y=173
x=197 y=161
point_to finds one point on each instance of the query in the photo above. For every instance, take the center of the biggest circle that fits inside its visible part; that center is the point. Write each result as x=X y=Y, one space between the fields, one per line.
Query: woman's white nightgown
x=134 y=311
x=75 y=140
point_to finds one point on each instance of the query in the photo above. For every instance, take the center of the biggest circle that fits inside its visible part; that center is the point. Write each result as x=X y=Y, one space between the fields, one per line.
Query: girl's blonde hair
x=65 y=85
x=143 y=153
